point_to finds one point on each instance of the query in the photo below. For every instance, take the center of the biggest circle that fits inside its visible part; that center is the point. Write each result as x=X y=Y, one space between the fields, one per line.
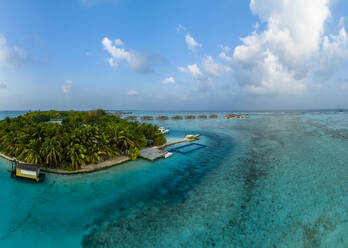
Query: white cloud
x=168 y=80
x=335 y=50
x=280 y=58
x=213 y=68
x=225 y=57
x=191 y=42
x=225 y=48
x=138 y=61
x=119 y=42
x=133 y=93
x=3 y=85
x=256 y=25
x=193 y=70
x=180 y=28
x=67 y=86
x=11 y=55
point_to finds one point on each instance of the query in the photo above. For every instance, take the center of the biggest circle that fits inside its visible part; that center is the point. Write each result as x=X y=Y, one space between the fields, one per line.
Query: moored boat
x=164 y=130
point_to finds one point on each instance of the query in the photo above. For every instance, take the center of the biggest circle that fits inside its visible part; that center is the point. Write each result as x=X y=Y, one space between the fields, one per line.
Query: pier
x=156 y=152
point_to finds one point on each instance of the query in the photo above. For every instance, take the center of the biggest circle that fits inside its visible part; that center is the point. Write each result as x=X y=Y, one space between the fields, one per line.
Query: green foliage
x=82 y=138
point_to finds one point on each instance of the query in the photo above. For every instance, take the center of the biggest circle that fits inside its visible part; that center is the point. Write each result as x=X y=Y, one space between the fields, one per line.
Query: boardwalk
x=153 y=153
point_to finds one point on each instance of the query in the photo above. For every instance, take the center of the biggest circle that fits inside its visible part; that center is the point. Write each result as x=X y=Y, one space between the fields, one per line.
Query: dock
x=152 y=153
x=156 y=152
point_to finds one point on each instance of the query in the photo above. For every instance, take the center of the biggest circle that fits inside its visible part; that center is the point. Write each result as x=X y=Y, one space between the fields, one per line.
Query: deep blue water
x=274 y=180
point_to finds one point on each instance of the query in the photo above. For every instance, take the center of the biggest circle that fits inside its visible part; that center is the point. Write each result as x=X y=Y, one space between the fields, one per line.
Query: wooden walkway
x=156 y=152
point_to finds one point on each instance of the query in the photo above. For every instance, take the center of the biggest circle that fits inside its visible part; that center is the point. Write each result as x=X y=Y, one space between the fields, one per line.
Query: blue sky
x=173 y=55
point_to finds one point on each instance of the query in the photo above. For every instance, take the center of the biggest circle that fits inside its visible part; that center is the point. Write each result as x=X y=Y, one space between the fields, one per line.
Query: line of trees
x=81 y=138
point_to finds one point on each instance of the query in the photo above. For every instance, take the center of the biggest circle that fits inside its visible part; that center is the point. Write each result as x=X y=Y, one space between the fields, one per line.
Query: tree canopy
x=74 y=138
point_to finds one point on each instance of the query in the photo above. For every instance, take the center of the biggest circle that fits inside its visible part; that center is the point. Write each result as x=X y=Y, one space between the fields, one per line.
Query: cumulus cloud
x=133 y=93
x=11 y=55
x=194 y=70
x=280 y=59
x=335 y=51
x=213 y=68
x=140 y=62
x=191 y=42
x=3 y=85
x=205 y=73
x=168 y=80
x=210 y=68
x=67 y=86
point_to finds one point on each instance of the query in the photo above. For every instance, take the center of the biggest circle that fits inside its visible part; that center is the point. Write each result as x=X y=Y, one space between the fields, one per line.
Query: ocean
x=277 y=179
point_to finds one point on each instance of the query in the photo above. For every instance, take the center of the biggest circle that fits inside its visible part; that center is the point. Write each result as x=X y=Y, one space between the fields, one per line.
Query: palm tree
x=31 y=153
x=124 y=141
x=53 y=151
x=76 y=154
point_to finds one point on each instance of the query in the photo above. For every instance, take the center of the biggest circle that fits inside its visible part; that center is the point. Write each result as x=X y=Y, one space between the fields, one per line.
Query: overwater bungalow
x=213 y=116
x=131 y=118
x=190 y=117
x=230 y=116
x=146 y=118
x=202 y=117
x=177 y=117
x=162 y=117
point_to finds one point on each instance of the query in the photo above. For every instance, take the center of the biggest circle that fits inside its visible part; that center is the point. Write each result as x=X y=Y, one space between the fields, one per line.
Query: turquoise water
x=274 y=180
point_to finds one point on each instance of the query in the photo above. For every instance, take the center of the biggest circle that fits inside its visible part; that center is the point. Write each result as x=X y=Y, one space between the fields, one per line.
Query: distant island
x=69 y=140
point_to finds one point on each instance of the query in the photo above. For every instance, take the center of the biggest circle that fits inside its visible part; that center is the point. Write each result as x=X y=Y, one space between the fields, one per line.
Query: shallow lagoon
x=274 y=180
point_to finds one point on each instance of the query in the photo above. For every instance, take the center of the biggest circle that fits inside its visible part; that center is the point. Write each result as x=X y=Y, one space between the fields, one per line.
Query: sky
x=173 y=55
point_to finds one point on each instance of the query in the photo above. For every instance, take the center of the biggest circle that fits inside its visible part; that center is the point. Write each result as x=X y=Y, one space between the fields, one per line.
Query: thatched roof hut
x=146 y=118
x=213 y=116
x=202 y=117
x=131 y=118
x=190 y=117
x=177 y=117
x=162 y=117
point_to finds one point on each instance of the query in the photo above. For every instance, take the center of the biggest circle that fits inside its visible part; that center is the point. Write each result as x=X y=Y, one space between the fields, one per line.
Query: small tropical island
x=70 y=140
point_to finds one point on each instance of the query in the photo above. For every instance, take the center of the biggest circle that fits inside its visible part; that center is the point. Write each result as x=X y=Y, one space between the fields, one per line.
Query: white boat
x=168 y=154
x=164 y=130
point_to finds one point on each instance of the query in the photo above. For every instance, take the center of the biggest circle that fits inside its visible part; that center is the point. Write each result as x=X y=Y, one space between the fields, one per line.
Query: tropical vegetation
x=71 y=139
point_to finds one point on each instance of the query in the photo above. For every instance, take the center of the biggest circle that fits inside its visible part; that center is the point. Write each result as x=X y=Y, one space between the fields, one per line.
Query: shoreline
x=99 y=166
